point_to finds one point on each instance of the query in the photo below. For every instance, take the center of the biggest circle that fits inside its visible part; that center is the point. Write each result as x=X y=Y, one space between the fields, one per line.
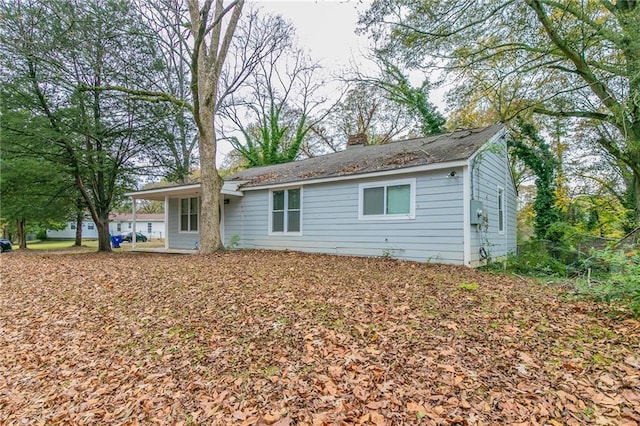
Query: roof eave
x=499 y=134
x=396 y=171
x=159 y=194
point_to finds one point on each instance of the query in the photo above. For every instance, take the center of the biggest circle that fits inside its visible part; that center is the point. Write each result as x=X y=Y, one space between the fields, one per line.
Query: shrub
x=533 y=258
x=612 y=276
x=42 y=234
x=605 y=275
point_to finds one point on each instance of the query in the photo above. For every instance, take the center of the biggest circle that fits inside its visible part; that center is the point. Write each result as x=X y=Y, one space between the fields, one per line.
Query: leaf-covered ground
x=285 y=338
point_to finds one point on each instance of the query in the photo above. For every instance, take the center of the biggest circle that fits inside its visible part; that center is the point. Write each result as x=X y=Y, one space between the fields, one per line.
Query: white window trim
x=180 y=216
x=270 y=222
x=504 y=210
x=384 y=183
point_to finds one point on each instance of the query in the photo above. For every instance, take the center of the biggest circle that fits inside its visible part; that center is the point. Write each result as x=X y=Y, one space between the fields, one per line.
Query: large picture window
x=189 y=214
x=388 y=200
x=286 y=208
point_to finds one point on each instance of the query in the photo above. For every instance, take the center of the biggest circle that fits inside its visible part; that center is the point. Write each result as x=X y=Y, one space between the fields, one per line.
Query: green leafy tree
x=33 y=195
x=577 y=60
x=51 y=52
x=527 y=144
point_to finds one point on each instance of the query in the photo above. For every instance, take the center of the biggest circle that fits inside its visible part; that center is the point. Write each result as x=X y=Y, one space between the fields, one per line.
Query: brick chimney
x=359 y=139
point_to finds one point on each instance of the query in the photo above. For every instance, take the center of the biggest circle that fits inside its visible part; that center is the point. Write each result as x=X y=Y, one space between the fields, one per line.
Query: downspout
x=166 y=222
x=221 y=225
x=134 y=236
x=466 y=214
x=506 y=197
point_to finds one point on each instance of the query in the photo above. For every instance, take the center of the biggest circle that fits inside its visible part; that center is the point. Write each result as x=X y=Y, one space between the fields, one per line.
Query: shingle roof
x=458 y=145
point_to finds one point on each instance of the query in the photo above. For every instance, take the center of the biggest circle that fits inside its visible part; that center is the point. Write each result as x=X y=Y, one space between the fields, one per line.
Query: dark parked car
x=5 y=245
x=139 y=237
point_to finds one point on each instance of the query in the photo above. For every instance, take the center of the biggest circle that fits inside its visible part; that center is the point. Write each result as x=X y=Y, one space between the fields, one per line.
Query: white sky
x=325 y=28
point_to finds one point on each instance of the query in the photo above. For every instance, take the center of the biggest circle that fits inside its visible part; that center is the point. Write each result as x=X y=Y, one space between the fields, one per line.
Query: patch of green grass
x=469 y=286
x=307 y=369
x=199 y=352
x=588 y=412
x=600 y=360
x=59 y=244
x=543 y=326
x=600 y=332
x=271 y=370
x=180 y=333
x=88 y=245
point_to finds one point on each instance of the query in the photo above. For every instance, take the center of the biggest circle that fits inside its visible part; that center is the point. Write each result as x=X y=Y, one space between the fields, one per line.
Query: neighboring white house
x=151 y=225
x=447 y=199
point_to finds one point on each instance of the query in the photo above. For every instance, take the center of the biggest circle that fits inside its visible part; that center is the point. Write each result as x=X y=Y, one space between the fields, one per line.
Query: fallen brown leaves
x=275 y=338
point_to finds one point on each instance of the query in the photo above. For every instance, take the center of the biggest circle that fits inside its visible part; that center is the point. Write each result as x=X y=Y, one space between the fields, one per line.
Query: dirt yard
x=253 y=337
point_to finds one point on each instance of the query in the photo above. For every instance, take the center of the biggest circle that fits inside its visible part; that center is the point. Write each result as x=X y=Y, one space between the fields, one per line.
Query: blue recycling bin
x=116 y=240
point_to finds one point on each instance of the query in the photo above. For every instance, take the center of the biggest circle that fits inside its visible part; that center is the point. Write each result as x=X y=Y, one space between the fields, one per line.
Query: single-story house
x=89 y=231
x=151 y=225
x=449 y=198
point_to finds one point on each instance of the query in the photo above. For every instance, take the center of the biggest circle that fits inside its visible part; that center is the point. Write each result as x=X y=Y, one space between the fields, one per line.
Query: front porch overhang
x=229 y=189
x=182 y=191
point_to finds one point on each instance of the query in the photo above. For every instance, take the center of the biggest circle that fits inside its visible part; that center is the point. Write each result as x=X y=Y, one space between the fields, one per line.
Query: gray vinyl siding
x=490 y=171
x=330 y=221
x=179 y=240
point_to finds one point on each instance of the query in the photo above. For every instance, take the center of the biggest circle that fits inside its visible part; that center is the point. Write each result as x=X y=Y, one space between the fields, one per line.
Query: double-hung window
x=189 y=213
x=387 y=200
x=501 y=210
x=286 y=211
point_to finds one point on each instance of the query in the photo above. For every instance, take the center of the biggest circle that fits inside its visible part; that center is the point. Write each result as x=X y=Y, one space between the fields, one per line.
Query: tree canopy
x=575 y=60
x=52 y=53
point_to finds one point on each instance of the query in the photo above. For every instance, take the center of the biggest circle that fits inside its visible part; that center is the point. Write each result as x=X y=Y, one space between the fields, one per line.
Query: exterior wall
x=176 y=239
x=330 y=221
x=490 y=170
x=89 y=230
x=142 y=226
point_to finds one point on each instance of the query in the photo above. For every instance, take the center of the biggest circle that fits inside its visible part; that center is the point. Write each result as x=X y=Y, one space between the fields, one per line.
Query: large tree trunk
x=206 y=69
x=21 y=233
x=100 y=216
x=211 y=184
x=79 y=221
x=104 y=240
